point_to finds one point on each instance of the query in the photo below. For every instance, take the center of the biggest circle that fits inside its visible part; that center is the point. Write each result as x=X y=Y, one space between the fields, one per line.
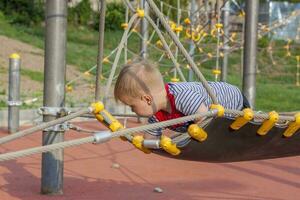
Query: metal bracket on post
x=54 y=111
x=58 y=127
x=14 y=103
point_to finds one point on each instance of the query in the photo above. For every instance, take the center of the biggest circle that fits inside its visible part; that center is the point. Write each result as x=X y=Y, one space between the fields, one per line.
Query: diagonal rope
x=183 y=50
x=44 y=125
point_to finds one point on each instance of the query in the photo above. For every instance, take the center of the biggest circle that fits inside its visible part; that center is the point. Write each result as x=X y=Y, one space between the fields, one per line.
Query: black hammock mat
x=225 y=145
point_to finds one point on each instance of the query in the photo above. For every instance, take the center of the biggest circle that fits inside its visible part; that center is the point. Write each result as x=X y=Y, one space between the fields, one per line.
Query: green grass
x=2 y=104
x=278 y=97
x=276 y=88
x=33 y=75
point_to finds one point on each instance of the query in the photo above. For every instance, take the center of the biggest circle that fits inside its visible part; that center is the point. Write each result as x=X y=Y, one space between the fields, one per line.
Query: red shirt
x=164 y=115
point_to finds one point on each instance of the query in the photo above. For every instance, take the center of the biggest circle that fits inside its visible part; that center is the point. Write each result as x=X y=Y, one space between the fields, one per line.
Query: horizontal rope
x=43 y=126
x=123 y=132
x=60 y=145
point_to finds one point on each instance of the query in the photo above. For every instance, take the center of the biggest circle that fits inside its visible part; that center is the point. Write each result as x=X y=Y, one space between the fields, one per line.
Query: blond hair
x=137 y=78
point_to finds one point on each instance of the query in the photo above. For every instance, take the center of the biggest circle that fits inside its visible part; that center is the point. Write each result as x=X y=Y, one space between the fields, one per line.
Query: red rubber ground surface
x=88 y=174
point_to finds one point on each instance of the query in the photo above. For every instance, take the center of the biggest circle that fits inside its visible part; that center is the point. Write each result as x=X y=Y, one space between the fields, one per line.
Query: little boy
x=140 y=86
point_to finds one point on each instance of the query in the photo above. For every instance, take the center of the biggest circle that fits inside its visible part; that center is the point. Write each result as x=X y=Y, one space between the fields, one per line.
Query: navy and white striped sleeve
x=155 y=132
x=188 y=101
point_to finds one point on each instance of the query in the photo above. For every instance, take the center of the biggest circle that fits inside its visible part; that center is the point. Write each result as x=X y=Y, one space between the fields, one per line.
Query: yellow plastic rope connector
x=106 y=118
x=242 y=14
x=69 y=88
x=174 y=80
x=216 y=72
x=268 y=124
x=178 y=29
x=105 y=60
x=134 y=30
x=196 y=36
x=137 y=141
x=192 y=34
x=187 y=21
x=167 y=145
x=220 y=109
x=124 y=25
x=188 y=33
x=197 y=132
x=293 y=126
x=87 y=73
x=140 y=12
x=159 y=44
x=242 y=120
x=14 y=56
x=97 y=107
x=172 y=25
x=219 y=26
x=114 y=124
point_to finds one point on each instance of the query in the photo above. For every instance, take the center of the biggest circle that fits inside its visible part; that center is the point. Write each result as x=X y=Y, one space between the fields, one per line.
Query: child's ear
x=147 y=98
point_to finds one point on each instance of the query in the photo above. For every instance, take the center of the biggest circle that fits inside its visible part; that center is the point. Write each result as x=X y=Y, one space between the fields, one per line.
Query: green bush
x=263 y=42
x=81 y=14
x=114 y=16
x=25 y=12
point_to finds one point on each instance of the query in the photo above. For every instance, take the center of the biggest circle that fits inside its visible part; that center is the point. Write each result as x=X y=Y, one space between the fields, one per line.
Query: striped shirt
x=188 y=97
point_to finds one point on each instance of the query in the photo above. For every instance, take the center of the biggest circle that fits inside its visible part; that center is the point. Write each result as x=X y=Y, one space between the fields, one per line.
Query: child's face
x=142 y=106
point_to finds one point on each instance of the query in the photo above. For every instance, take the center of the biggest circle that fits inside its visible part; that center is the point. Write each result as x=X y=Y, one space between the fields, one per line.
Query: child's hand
x=202 y=109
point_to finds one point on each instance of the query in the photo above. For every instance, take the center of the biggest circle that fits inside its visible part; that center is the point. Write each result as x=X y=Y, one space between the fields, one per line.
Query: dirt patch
x=32 y=58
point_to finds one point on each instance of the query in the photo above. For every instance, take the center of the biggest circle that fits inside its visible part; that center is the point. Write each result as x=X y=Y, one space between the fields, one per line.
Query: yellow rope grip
x=197 y=132
x=268 y=124
x=140 y=12
x=175 y=80
x=293 y=126
x=218 y=107
x=106 y=118
x=137 y=141
x=97 y=107
x=216 y=72
x=124 y=25
x=167 y=145
x=159 y=44
x=242 y=120
x=178 y=29
x=187 y=21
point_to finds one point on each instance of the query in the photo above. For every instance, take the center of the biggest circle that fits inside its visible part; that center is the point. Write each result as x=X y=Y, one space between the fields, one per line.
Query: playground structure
x=271 y=123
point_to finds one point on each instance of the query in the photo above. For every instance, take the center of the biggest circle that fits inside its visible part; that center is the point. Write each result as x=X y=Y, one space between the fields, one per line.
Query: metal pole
x=144 y=29
x=178 y=35
x=217 y=14
x=100 y=48
x=226 y=10
x=54 y=92
x=210 y=15
x=250 y=49
x=144 y=33
x=125 y=44
x=14 y=93
x=192 y=45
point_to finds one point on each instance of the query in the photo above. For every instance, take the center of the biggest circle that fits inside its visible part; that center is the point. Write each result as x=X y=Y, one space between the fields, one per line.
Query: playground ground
x=89 y=174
